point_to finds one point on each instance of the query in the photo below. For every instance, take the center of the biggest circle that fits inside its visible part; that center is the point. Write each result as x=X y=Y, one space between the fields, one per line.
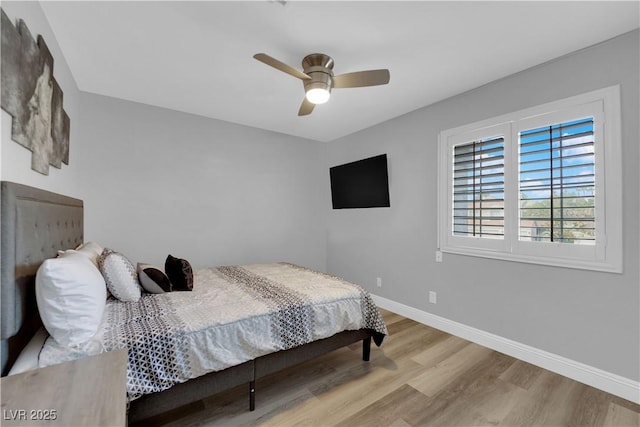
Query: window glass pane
x=478 y=188
x=557 y=183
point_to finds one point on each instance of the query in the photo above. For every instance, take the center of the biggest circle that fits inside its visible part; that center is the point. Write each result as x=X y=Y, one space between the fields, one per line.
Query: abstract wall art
x=32 y=97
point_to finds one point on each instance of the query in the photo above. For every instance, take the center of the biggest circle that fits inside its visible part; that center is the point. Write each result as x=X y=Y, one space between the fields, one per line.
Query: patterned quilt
x=234 y=314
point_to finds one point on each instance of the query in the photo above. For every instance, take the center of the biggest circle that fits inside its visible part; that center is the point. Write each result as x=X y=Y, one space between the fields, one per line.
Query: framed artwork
x=32 y=97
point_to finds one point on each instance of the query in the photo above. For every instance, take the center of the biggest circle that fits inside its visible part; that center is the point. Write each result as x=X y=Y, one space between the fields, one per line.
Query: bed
x=36 y=224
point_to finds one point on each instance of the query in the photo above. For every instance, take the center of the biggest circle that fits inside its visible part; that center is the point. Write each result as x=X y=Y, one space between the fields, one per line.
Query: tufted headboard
x=34 y=225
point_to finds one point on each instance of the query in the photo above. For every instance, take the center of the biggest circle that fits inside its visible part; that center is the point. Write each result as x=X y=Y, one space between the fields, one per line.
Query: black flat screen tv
x=360 y=184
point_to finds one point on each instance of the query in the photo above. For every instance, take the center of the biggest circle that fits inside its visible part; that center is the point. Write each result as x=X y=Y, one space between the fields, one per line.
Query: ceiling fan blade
x=306 y=108
x=362 y=79
x=263 y=57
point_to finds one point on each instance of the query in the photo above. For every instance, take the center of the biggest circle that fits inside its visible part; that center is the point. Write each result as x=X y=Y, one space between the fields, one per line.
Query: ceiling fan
x=318 y=79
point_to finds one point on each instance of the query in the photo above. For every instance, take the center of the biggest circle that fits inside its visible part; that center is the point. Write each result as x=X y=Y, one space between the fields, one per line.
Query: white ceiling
x=196 y=57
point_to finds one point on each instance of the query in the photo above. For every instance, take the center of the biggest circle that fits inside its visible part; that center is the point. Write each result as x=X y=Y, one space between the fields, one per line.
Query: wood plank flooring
x=419 y=377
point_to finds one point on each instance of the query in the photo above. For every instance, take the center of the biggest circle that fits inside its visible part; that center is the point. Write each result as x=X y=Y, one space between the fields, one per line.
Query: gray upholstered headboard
x=34 y=225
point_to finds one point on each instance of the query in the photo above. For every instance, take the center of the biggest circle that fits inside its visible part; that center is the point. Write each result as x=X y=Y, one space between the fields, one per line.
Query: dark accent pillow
x=153 y=279
x=179 y=272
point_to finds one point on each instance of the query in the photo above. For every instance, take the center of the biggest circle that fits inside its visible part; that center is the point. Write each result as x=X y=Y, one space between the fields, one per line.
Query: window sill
x=581 y=264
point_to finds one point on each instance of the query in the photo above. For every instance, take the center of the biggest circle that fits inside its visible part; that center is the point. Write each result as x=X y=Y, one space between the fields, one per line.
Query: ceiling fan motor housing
x=318 y=66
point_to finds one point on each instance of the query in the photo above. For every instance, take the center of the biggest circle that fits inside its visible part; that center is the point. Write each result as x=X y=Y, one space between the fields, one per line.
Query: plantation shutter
x=478 y=188
x=557 y=183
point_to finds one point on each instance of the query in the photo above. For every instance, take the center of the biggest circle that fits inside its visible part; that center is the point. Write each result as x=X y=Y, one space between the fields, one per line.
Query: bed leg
x=252 y=395
x=366 y=349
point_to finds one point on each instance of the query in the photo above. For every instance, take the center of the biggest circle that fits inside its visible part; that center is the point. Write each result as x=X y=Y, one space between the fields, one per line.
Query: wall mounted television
x=360 y=184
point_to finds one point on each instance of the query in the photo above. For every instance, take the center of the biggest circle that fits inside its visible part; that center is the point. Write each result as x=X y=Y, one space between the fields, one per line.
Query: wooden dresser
x=85 y=392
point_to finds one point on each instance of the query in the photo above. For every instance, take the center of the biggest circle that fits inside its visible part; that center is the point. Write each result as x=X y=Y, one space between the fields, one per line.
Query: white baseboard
x=603 y=380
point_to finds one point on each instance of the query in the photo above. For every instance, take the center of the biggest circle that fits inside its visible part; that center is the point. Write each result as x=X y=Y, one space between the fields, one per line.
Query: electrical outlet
x=438 y=256
x=379 y=282
x=433 y=297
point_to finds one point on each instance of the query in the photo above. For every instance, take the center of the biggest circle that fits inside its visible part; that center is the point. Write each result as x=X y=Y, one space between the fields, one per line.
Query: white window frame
x=466 y=136
x=606 y=254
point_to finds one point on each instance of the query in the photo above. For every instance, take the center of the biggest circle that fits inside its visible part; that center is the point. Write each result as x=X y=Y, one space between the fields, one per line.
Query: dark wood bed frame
x=34 y=225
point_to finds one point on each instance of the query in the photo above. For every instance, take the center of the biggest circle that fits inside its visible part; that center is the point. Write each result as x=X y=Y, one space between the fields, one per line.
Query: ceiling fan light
x=318 y=95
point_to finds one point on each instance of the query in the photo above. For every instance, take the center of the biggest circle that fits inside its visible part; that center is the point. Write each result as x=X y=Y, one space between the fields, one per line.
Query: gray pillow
x=119 y=275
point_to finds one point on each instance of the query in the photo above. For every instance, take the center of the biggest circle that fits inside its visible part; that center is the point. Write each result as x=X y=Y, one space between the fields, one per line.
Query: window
x=557 y=183
x=478 y=188
x=540 y=185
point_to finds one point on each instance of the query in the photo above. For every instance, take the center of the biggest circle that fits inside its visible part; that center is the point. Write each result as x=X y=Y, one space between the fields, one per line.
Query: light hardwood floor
x=419 y=377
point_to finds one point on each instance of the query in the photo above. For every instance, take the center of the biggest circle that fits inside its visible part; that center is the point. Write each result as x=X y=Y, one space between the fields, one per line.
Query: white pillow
x=120 y=275
x=28 y=358
x=91 y=250
x=71 y=296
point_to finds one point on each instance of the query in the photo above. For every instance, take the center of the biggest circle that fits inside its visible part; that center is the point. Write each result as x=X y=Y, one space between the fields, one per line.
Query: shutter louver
x=557 y=183
x=478 y=189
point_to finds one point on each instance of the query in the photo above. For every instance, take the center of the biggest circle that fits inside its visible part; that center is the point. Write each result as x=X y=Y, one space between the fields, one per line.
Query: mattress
x=234 y=314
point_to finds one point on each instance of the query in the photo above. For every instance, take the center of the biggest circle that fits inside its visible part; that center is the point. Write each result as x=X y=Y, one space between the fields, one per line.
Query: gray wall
x=157 y=181
x=586 y=316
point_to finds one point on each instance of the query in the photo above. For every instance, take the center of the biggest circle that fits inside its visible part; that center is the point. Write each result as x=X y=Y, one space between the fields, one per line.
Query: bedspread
x=234 y=314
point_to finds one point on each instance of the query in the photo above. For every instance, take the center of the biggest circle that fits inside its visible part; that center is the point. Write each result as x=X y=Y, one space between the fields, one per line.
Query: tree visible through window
x=557 y=183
